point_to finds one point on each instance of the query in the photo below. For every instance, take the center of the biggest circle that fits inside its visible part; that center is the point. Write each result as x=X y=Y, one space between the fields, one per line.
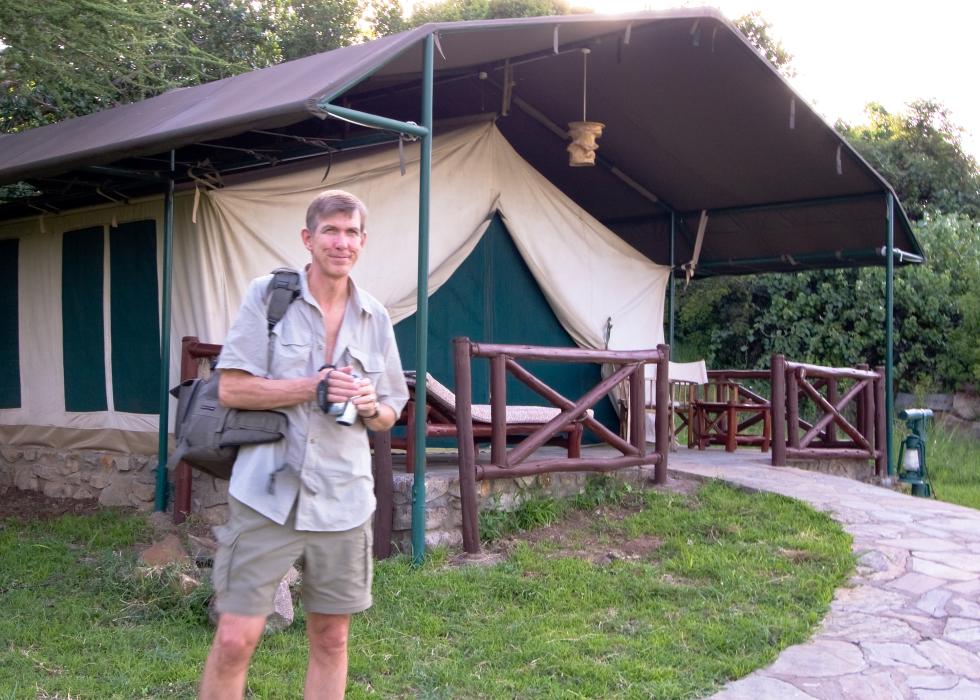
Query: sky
x=849 y=53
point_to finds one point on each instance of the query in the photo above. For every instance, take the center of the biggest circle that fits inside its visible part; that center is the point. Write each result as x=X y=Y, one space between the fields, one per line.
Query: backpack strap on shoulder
x=283 y=290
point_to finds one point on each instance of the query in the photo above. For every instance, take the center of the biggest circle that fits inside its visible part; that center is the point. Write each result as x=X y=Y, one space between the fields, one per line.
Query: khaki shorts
x=254 y=554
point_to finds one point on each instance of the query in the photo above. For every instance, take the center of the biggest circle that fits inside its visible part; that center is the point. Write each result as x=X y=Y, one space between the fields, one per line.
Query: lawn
x=953 y=464
x=726 y=580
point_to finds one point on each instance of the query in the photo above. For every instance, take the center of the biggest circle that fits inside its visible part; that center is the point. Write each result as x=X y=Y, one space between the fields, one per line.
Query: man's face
x=336 y=243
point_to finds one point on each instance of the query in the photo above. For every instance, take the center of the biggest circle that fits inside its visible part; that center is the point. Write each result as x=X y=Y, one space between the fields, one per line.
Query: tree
x=757 y=30
x=920 y=152
x=457 y=10
x=306 y=27
x=65 y=59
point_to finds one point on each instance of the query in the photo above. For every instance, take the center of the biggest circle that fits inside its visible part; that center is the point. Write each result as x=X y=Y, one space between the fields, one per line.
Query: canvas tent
x=602 y=291
x=699 y=129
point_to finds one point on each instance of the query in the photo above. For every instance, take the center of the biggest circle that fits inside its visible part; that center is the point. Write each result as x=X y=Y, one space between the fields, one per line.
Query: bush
x=837 y=317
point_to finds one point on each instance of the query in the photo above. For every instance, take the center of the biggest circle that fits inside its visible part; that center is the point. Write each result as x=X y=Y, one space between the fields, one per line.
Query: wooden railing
x=832 y=391
x=518 y=460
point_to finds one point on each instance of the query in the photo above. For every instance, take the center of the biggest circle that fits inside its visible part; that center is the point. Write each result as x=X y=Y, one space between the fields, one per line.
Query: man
x=311 y=494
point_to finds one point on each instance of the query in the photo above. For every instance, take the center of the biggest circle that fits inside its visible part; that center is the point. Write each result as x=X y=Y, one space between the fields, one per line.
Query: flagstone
x=964 y=690
x=894 y=654
x=915 y=583
x=960 y=560
x=932 y=568
x=961 y=629
x=950 y=657
x=761 y=688
x=819 y=659
x=934 y=602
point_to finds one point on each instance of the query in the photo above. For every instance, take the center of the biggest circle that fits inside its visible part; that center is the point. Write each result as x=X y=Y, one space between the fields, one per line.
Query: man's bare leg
x=326 y=675
x=227 y=665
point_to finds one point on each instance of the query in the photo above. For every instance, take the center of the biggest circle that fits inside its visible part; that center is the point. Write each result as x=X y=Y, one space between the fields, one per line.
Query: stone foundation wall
x=129 y=480
x=114 y=478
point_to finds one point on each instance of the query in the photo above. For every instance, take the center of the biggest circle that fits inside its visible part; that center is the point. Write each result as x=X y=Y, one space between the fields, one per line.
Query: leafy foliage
x=757 y=30
x=67 y=58
x=837 y=317
x=456 y=10
x=920 y=153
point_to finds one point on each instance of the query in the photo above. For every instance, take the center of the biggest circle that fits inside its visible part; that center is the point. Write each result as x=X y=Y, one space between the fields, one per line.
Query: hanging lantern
x=581 y=151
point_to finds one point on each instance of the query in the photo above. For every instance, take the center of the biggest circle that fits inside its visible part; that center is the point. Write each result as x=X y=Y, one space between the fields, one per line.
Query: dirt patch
x=575 y=534
x=34 y=505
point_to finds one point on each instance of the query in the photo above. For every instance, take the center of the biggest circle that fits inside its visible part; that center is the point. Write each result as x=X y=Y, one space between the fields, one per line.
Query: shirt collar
x=355 y=300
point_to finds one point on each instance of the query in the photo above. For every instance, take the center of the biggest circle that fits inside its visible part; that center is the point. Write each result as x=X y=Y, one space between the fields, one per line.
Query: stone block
x=57 y=489
x=117 y=493
x=25 y=479
x=166 y=552
x=966 y=406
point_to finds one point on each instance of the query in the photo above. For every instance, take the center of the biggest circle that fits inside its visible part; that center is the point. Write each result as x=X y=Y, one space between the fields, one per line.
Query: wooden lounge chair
x=684 y=380
x=440 y=420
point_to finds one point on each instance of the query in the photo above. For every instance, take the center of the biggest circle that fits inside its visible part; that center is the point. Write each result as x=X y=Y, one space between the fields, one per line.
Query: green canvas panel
x=493 y=297
x=9 y=334
x=134 y=315
x=82 y=319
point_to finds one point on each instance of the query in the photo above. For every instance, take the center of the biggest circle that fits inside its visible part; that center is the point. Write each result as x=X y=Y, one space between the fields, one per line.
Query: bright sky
x=850 y=52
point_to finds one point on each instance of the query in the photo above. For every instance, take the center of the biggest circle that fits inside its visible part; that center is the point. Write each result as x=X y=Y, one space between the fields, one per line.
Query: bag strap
x=283 y=290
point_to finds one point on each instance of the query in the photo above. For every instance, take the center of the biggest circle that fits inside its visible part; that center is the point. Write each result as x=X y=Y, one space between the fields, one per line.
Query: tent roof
x=695 y=120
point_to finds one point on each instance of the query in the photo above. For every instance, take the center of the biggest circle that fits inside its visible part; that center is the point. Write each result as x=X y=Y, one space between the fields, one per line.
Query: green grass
x=953 y=464
x=736 y=578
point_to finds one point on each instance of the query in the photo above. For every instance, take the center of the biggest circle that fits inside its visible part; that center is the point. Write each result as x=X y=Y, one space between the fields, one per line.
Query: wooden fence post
x=383 y=493
x=664 y=416
x=467 y=453
x=793 y=409
x=777 y=402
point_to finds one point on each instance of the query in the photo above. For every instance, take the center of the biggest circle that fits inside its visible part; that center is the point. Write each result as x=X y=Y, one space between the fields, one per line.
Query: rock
x=282 y=613
x=184 y=584
x=166 y=552
x=966 y=406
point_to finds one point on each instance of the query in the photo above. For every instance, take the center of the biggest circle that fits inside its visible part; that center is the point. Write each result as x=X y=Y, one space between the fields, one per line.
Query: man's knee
x=328 y=634
x=237 y=637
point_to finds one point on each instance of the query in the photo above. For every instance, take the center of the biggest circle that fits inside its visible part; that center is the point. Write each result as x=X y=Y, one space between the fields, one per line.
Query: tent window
x=134 y=317
x=9 y=336
x=83 y=338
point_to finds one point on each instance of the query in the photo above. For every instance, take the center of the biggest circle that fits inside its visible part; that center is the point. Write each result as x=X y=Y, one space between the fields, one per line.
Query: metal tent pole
x=422 y=313
x=889 y=329
x=168 y=249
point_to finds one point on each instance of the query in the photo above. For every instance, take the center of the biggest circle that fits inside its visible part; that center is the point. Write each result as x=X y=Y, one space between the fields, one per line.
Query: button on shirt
x=323 y=464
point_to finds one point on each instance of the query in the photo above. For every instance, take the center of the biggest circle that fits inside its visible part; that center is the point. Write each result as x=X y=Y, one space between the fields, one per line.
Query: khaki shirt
x=326 y=466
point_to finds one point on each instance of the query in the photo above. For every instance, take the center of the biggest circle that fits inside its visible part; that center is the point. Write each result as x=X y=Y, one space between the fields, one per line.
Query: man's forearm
x=238 y=389
x=385 y=419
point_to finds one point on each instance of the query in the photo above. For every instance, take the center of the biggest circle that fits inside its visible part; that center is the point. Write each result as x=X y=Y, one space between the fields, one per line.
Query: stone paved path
x=908 y=625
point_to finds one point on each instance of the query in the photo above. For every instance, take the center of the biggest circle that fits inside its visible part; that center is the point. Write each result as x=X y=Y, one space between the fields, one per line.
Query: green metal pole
x=670 y=291
x=376 y=121
x=422 y=314
x=168 y=250
x=889 y=330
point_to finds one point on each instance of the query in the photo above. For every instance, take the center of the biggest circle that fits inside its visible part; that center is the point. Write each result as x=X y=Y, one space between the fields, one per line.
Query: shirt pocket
x=367 y=364
x=292 y=350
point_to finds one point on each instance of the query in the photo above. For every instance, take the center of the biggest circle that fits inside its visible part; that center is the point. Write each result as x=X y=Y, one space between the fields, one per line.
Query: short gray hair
x=331 y=202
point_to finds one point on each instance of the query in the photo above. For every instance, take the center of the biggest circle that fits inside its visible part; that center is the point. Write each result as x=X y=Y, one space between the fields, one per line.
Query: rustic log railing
x=864 y=398
x=191 y=352
x=518 y=461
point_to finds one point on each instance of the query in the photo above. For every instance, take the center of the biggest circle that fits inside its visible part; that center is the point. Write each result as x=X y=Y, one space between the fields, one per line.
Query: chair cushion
x=443 y=397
